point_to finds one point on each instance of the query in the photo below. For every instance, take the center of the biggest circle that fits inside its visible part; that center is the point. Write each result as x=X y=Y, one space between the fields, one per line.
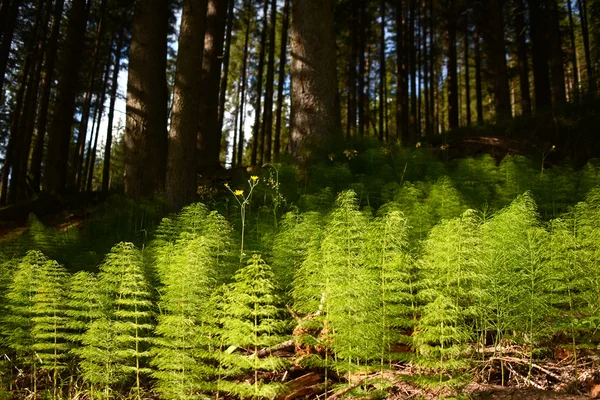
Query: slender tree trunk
x=235 y=125
x=226 y=57
x=467 y=74
x=88 y=155
x=557 y=70
x=413 y=70
x=78 y=174
x=382 y=75
x=35 y=172
x=258 y=140
x=8 y=29
x=111 y=112
x=351 y=99
x=452 y=67
x=426 y=82
x=314 y=77
x=181 y=160
x=147 y=99
x=281 y=77
x=401 y=77
x=520 y=33
x=209 y=134
x=576 y=88
x=585 y=33
x=478 y=81
x=432 y=77
x=55 y=176
x=267 y=127
x=539 y=56
x=241 y=139
x=100 y=111
x=362 y=49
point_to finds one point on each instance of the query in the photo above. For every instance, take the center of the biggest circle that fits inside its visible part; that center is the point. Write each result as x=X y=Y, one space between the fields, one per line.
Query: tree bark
x=281 y=78
x=257 y=139
x=181 y=162
x=209 y=134
x=241 y=139
x=452 y=67
x=314 y=77
x=557 y=70
x=147 y=99
x=412 y=51
x=78 y=174
x=539 y=56
x=267 y=127
x=478 y=81
x=520 y=34
x=401 y=77
x=576 y=88
x=585 y=33
x=55 y=176
x=362 y=49
x=35 y=172
x=467 y=75
x=8 y=30
x=111 y=112
x=352 y=62
x=226 y=58
x=382 y=75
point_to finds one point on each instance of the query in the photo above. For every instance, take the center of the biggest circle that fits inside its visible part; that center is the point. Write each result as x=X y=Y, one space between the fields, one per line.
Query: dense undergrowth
x=384 y=257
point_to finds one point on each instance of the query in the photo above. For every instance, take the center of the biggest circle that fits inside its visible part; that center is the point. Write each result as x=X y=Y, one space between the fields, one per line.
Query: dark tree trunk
x=520 y=33
x=226 y=57
x=413 y=70
x=557 y=70
x=147 y=99
x=267 y=127
x=100 y=112
x=491 y=21
x=452 y=67
x=467 y=75
x=209 y=134
x=314 y=77
x=189 y=78
x=111 y=112
x=401 y=77
x=281 y=78
x=382 y=75
x=35 y=172
x=576 y=88
x=539 y=55
x=585 y=33
x=432 y=77
x=8 y=29
x=241 y=139
x=426 y=82
x=258 y=142
x=478 y=82
x=351 y=99
x=59 y=138
x=362 y=67
x=78 y=175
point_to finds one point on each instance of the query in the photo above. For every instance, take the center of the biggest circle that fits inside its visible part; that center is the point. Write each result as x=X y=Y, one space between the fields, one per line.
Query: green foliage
x=252 y=320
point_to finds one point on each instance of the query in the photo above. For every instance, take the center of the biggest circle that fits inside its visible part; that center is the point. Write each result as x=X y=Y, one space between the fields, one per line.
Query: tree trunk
x=557 y=70
x=352 y=61
x=8 y=30
x=209 y=134
x=452 y=67
x=401 y=77
x=432 y=76
x=111 y=112
x=585 y=33
x=467 y=75
x=78 y=174
x=181 y=161
x=576 y=88
x=225 y=73
x=491 y=21
x=100 y=108
x=241 y=139
x=257 y=140
x=478 y=82
x=382 y=75
x=59 y=138
x=362 y=49
x=267 y=126
x=412 y=51
x=281 y=78
x=539 y=56
x=35 y=172
x=426 y=82
x=314 y=77
x=520 y=34
x=147 y=99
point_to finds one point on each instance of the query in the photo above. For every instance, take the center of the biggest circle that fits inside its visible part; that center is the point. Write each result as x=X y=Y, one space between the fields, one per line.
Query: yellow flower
x=227 y=185
x=254 y=178
x=239 y=192
x=418 y=145
x=553 y=147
